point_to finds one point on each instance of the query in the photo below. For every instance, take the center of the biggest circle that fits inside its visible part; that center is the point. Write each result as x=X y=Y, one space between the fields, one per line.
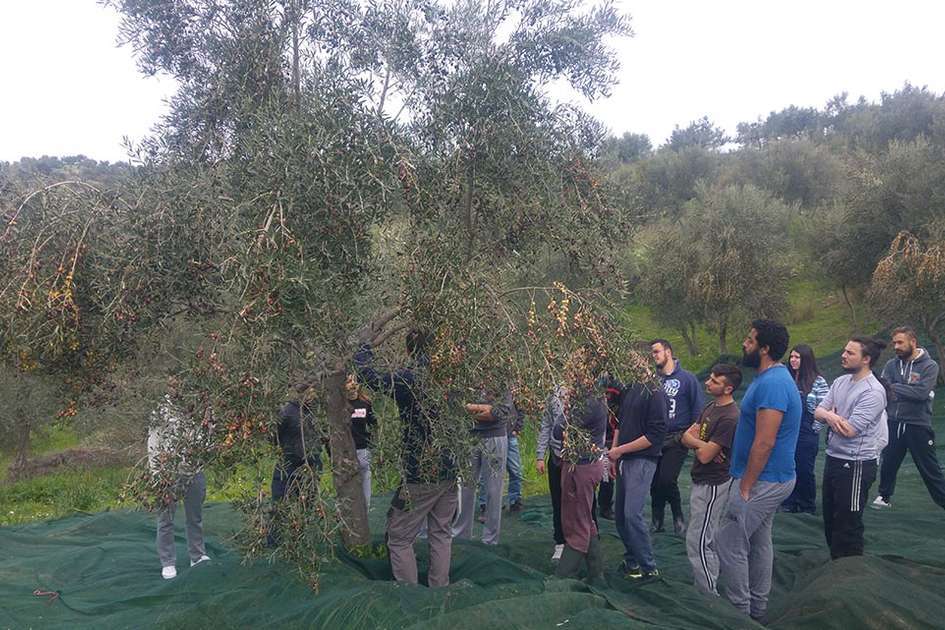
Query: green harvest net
x=105 y=571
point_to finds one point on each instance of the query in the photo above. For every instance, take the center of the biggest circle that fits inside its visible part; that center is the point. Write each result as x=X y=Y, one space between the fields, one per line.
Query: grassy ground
x=818 y=317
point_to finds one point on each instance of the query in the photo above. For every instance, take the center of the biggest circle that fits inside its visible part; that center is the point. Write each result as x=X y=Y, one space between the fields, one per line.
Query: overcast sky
x=68 y=89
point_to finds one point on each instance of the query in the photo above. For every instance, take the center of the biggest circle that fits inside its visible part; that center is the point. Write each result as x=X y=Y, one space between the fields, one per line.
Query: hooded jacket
x=912 y=386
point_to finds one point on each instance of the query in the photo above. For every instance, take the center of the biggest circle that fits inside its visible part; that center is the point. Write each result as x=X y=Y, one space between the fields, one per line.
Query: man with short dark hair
x=912 y=376
x=762 y=469
x=685 y=402
x=634 y=453
x=855 y=412
x=711 y=440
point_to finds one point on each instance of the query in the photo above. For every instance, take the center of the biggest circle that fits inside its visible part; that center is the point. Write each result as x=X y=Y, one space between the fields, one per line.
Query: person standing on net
x=684 y=394
x=169 y=441
x=513 y=465
x=855 y=412
x=491 y=419
x=634 y=454
x=427 y=491
x=711 y=440
x=605 y=492
x=587 y=412
x=912 y=376
x=362 y=420
x=762 y=470
x=552 y=423
x=812 y=387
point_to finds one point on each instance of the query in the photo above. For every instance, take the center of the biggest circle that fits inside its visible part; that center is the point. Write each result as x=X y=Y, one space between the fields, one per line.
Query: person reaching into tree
x=362 y=420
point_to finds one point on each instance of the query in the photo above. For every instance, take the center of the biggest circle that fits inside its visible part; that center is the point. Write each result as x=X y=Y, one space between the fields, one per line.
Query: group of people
x=751 y=460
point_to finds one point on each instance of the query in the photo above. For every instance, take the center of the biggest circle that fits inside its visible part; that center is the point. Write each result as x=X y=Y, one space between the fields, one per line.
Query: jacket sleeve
x=657 y=417
x=920 y=390
x=698 y=399
x=378 y=380
x=868 y=410
x=504 y=411
x=547 y=421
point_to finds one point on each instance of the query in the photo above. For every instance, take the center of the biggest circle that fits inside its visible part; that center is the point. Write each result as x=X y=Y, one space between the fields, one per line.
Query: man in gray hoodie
x=912 y=376
x=855 y=411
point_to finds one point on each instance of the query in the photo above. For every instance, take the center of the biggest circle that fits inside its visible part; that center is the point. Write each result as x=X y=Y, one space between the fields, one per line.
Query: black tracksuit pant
x=665 y=486
x=846 y=489
x=920 y=441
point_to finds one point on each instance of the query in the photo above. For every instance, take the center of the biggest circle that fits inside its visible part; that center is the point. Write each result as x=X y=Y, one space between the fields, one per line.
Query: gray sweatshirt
x=552 y=417
x=912 y=384
x=863 y=404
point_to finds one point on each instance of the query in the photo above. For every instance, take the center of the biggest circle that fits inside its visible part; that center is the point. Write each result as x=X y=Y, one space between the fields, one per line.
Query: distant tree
x=663 y=183
x=628 y=148
x=908 y=285
x=791 y=123
x=670 y=263
x=700 y=133
x=739 y=236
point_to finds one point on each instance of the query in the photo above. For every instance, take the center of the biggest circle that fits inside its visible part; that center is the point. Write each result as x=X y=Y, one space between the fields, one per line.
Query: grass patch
x=61 y=494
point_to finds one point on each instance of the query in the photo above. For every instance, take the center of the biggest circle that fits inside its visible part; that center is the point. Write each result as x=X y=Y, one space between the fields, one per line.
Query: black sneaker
x=656 y=527
x=607 y=513
x=515 y=507
x=630 y=572
x=650 y=575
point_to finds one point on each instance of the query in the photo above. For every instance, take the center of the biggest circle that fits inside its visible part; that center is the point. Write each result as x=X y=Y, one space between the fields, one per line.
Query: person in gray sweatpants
x=167 y=442
x=711 y=440
x=762 y=470
x=488 y=462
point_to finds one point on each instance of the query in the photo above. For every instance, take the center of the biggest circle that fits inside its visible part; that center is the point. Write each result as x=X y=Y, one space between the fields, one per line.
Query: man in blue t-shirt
x=762 y=469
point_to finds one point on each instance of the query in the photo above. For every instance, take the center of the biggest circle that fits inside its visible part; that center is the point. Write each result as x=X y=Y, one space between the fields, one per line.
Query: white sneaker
x=880 y=503
x=202 y=558
x=559 y=549
x=169 y=573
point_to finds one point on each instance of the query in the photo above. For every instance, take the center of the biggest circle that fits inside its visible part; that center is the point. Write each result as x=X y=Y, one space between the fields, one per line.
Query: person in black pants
x=855 y=412
x=552 y=418
x=296 y=438
x=685 y=396
x=912 y=376
x=812 y=387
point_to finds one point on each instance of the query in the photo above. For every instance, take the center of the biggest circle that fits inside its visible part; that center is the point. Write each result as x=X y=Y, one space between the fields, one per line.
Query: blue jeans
x=513 y=463
x=633 y=488
x=804 y=496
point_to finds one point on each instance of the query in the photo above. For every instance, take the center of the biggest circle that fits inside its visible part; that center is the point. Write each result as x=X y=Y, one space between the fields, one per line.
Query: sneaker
x=630 y=572
x=203 y=558
x=656 y=527
x=482 y=514
x=880 y=503
x=169 y=573
x=679 y=526
x=607 y=513
x=650 y=575
x=515 y=507
x=559 y=549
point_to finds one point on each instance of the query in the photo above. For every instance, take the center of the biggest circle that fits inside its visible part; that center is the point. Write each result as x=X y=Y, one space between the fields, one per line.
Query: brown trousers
x=435 y=505
x=578 y=485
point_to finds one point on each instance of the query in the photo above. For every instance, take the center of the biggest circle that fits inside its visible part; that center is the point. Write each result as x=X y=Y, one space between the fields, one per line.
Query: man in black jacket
x=636 y=448
x=912 y=376
x=427 y=492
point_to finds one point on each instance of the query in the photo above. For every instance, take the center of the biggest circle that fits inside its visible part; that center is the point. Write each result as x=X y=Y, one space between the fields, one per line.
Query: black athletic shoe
x=515 y=507
x=607 y=513
x=656 y=527
x=630 y=572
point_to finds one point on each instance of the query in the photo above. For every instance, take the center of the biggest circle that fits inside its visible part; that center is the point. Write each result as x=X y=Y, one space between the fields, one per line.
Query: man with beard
x=854 y=409
x=684 y=394
x=762 y=469
x=912 y=376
